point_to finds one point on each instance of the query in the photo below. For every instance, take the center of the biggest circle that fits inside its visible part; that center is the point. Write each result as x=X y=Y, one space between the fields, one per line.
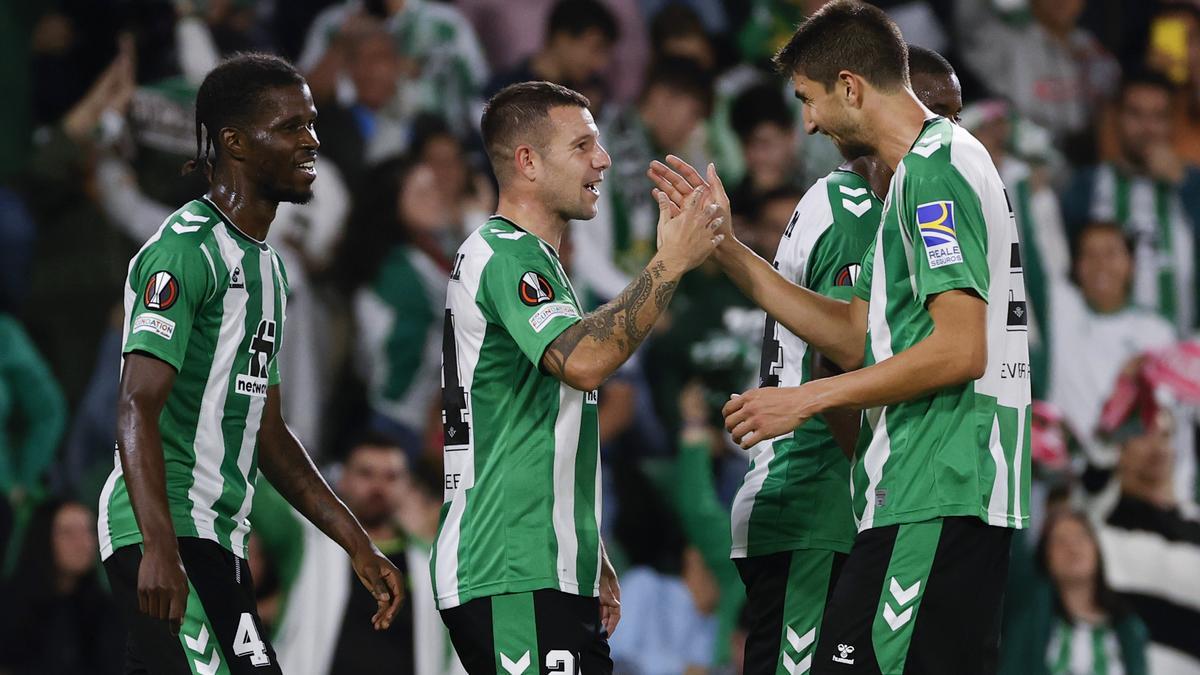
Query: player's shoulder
x=183 y=232
x=945 y=151
x=850 y=195
x=505 y=239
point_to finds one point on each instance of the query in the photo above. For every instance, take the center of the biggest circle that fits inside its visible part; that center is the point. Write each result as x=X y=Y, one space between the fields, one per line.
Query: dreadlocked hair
x=229 y=96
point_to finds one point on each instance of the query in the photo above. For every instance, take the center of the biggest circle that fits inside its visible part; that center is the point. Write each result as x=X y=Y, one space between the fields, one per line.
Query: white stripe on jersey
x=105 y=533
x=599 y=507
x=880 y=448
x=210 y=439
x=998 y=505
x=760 y=467
x=237 y=538
x=470 y=328
x=566 y=445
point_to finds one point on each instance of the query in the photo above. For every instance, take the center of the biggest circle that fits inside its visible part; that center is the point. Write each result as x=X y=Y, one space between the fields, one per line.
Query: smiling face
x=280 y=144
x=1104 y=268
x=828 y=111
x=572 y=164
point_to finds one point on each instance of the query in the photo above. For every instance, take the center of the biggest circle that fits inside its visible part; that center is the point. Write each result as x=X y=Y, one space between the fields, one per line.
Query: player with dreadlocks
x=199 y=410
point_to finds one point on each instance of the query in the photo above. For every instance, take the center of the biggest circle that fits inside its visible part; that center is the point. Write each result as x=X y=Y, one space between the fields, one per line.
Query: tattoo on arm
x=619 y=323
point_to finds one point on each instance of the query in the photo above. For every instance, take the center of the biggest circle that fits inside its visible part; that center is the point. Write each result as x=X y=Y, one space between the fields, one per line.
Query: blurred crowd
x=1091 y=112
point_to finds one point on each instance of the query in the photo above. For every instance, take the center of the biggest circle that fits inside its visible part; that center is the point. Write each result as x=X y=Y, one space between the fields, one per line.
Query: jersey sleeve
x=944 y=220
x=862 y=286
x=172 y=284
x=525 y=295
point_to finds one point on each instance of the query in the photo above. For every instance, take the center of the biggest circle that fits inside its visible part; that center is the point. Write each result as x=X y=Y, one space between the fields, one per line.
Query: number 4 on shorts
x=247 y=642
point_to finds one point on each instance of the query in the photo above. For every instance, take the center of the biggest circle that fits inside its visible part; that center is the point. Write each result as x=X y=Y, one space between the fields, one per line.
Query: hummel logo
x=857 y=209
x=844 y=652
x=798 y=643
x=190 y=217
x=512 y=236
x=235 y=279
x=852 y=192
x=903 y=597
x=517 y=667
x=928 y=146
x=199 y=644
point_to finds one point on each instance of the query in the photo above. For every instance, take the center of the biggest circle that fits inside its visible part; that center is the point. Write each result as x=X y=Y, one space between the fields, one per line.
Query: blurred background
x=1090 y=110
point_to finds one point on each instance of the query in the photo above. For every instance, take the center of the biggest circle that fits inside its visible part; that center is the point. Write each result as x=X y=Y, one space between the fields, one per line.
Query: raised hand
x=688 y=237
x=680 y=179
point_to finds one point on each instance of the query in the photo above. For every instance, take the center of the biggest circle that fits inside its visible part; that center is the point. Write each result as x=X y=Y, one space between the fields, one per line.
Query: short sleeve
x=172 y=284
x=526 y=296
x=943 y=217
x=862 y=285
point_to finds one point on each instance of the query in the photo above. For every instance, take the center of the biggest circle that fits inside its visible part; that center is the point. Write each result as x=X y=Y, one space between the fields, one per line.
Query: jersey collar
x=229 y=222
x=548 y=245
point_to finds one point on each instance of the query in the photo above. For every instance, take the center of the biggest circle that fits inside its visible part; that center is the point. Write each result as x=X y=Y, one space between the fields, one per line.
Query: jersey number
x=456 y=424
x=560 y=662
x=772 y=356
x=247 y=642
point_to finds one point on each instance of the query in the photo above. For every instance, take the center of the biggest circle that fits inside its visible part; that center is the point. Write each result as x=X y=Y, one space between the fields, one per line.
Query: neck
x=241 y=203
x=878 y=174
x=533 y=217
x=1102 y=306
x=1158 y=494
x=1079 y=600
x=897 y=124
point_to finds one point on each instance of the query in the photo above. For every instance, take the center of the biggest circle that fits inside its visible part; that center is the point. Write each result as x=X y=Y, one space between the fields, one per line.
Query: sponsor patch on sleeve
x=546 y=314
x=935 y=220
x=153 y=323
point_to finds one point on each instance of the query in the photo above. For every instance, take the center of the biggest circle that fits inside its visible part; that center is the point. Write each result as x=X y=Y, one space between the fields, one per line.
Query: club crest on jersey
x=262 y=348
x=161 y=291
x=847 y=275
x=935 y=220
x=534 y=289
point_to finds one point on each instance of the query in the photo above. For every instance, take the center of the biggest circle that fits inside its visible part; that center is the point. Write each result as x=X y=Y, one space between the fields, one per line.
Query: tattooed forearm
x=616 y=329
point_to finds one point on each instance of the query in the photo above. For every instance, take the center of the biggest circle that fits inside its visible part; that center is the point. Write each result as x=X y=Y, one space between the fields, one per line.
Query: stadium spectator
x=468 y=196
x=58 y=617
x=32 y=416
x=577 y=49
x=1151 y=547
x=1053 y=71
x=370 y=127
x=668 y=118
x=766 y=128
x=1152 y=194
x=443 y=66
x=1095 y=331
x=1045 y=257
x=399 y=272
x=1066 y=619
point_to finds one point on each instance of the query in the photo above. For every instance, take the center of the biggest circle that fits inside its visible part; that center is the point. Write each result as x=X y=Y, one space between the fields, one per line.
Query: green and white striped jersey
x=521 y=507
x=962 y=450
x=1084 y=649
x=210 y=301
x=821 y=249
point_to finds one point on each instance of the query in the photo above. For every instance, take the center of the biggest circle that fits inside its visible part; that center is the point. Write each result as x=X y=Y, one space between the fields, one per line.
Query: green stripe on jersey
x=521 y=507
x=209 y=301
x=821 y=249
x=961 y=450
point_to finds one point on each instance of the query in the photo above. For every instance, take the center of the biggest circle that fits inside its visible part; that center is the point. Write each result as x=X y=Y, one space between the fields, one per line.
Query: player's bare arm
x=590 y=351
x=954 y=353
x=162 y=581
x=833 y=327
x=287 y=465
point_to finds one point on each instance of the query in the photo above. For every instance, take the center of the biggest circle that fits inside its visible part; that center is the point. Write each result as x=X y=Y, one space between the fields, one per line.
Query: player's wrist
x=668 y=267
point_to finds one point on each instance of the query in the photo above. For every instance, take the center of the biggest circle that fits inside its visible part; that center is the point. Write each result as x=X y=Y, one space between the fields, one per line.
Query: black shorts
x=918 y=599
x=544 y=631
x=786 y=595
x=221 y=632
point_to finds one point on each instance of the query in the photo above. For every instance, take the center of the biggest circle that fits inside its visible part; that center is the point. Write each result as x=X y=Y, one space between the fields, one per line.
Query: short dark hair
x=230 y=94
x=847 y=35
x=923 y=61
x=1144 y=77
x=576 y=17
x=518 y=113
x=757 y=105
x=676 y=20
x=683 y=75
